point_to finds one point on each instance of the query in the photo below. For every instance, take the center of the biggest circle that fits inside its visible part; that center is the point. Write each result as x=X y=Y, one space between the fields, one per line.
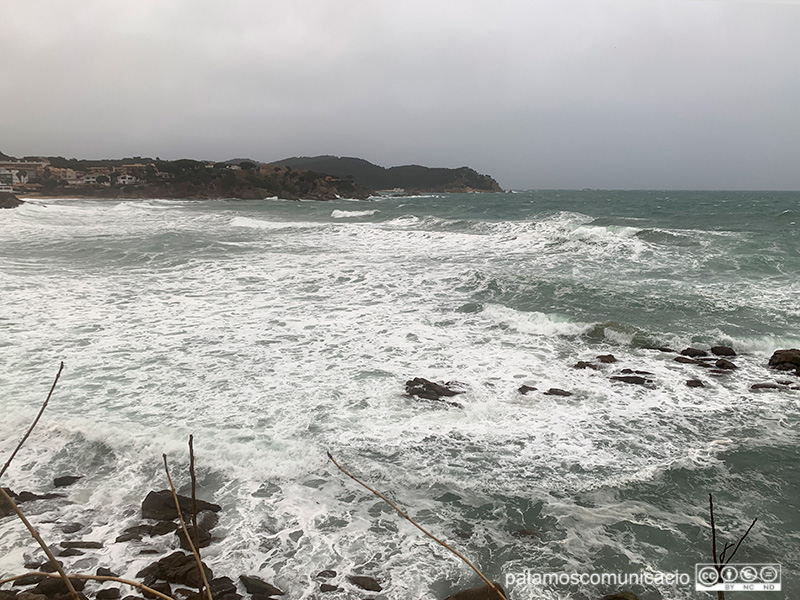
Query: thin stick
x=186 y=533
x=35 y=421
x=415 y=524
x=44 y=547
x=717 y=566
x=93 y=578
x=741 y=539
x=195 y=531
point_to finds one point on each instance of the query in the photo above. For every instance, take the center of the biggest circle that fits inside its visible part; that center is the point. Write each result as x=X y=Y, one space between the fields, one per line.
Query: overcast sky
x=669 y=94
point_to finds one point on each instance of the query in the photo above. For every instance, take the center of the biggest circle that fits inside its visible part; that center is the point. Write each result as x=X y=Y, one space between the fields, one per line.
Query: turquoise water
x=274 y=331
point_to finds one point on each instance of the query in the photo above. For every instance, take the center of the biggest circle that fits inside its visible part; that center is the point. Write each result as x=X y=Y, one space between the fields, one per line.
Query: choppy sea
x=276 y=331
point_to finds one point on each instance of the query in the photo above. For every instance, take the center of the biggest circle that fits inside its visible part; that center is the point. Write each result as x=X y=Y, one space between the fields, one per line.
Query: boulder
x=582 y=364
x=694 y=383
x=103 y=572
x=483 y=592
x=66 y=480
x=557 y=392
x=159 y=586
x=423 y=388
x=201 y=540
x=71 y=527
x=55 y=586
x=108 y=594
x=693 y=352
x=259 y=587
x=607 y=359
x=175 y=568
x=786 y=360
x=635 y=379
x=765 y=386
x=81 y=545
x=8 y=200
x=690 y=361
x=724 y=363
x=723 y=351
x=365 y=583
x=524 y=389
x=161 y=506
x=327 y=587
x=326 y=574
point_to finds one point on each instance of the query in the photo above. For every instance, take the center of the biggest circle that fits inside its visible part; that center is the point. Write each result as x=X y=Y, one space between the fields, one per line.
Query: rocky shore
x=8 y=200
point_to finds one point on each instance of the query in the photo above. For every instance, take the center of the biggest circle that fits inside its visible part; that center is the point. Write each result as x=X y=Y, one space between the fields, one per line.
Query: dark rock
x=71 y=527
x=28 y=580
x=201 y=540
x=607 y=358
x=690 y=361
x=693 y=352
x=326 y=574
x=187 y=594
x=26 y=595
x=582 y=364
x=724 y=363
x=723 y=351
x=7 y=594
x=103 y=572
x=175 y=568
x=636 y=379
x=49 y=567
x=229 y=596
x=53 y=586
x=9 y=200
x=161 y=506
x=327 y=587
x=765 y=386
x=429 y=390
x=662 y=349
x=695 y=383
x=159 y=586
x=82 y=545
x=257 y=586
x=524 y=389
x=108 y=594
x=206 y=520
x=557 y=392
x=132 y=597
x=483 y=592
x=66 y=480
x=365 y=582
x=28 y=496
x=631 y=372
x=786 y=360
x=222 y=586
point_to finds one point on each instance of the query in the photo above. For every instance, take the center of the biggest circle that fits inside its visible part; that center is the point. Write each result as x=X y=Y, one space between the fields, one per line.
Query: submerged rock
x=695 y=383
x=557 y=392
x=635 y=379
x=607 y=358
x=582 y=364
x=524 y=389
x=161 y=506
x=365 y=582
x=430 y=390
x=66 y=480
x=765 y=386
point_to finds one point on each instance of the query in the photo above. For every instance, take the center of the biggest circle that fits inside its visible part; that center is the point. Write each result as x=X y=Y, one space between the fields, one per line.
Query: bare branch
x=741 y=539
x=186 y=533
x=415 y=524
x=35 y=421
x=195 y=531
x=92 y=578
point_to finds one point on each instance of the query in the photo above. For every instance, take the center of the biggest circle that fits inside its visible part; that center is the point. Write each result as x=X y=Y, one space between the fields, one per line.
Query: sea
x=276 y=332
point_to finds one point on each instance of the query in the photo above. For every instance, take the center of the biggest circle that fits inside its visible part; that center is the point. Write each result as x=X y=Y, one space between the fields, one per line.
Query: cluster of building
x=23 y=173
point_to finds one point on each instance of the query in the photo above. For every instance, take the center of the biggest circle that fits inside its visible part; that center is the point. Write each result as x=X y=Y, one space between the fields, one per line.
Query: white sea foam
x=350 y=214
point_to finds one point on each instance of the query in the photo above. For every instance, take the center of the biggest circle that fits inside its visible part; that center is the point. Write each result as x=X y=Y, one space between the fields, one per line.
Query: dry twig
x=93 y=578
x=418 y=526
x=186 y=533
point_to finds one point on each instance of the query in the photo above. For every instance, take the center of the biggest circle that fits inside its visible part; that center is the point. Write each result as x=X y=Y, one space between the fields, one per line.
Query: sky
x=615 y=94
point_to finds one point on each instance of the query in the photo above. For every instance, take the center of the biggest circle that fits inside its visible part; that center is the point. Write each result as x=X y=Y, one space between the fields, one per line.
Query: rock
x=723 y=351
x=429 y=390
x=632 y=372
x=765 y=386
x=71 y=527
x=524 y=389
x=28 y=580
x=49 y=567
x=7 y=594
x=690 y=361
x=108 y=594
x=82 y=545
x=9 y=200
x=103 y=572
x=326 y=574
x=53 y=586
x=693 y=352
x=662 y=349
x=636 y=379
x=66 y=480
x=695 y=383
x=257 y=586
x=557 y=392
x=222 y=586
x=28 y=496
x=201 y=540
x=483 y=592
x=786 y=360
x=607 y=359
x=159 y=586
x=582 y=364
x=30 y=596
x=175 y=568
x=161 y=506
x=365 y=582
x=723 y=363
x=621 y=596
x=327 y=587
